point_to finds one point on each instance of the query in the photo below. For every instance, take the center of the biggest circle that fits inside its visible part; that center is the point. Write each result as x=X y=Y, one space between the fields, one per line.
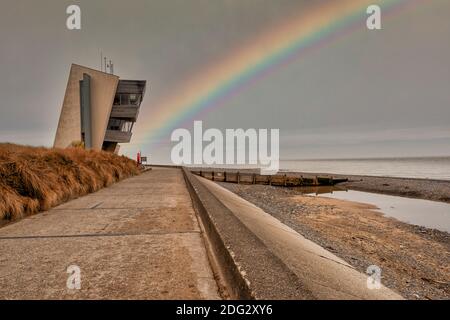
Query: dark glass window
x=133 y=99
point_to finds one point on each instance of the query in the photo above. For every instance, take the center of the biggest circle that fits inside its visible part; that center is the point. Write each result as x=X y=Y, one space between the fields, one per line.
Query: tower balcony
x=125 y=112
x=117 y=136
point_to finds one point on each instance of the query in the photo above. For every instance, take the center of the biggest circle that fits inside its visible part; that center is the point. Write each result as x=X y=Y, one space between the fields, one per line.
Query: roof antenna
x=101 y=60
x=104 y=58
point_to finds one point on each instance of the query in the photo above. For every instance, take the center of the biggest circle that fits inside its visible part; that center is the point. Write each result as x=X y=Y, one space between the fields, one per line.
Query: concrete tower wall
x=103 y=89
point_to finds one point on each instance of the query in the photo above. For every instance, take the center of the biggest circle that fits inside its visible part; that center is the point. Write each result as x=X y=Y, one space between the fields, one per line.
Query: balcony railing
x=117 y=136
x=125 y=112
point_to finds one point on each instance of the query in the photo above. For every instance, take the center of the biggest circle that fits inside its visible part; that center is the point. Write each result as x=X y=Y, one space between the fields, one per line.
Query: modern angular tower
x=99 y=109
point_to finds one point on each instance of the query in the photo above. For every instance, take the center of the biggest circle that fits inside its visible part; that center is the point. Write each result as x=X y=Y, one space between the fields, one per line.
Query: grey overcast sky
x=370 y=94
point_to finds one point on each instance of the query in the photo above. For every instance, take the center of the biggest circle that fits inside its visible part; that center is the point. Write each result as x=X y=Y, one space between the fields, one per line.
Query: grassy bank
x=34 y=179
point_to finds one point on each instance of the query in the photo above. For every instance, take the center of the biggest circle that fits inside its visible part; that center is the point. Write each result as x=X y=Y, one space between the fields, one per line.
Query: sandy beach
x=414 y=260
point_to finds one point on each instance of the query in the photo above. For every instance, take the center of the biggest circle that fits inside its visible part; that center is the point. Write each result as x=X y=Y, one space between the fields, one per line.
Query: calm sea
x=430 y=167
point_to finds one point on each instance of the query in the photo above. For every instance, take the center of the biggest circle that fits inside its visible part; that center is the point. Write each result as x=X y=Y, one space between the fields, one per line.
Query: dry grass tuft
x=35 y=178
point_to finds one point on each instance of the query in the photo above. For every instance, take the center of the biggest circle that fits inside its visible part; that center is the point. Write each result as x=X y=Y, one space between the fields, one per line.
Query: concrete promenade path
x=138 y=239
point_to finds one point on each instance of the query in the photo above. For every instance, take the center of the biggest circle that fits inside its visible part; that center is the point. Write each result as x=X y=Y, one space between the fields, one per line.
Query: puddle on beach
x=426 y=213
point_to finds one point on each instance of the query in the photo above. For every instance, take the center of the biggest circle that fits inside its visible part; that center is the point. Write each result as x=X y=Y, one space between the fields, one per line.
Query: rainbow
x=293 y=38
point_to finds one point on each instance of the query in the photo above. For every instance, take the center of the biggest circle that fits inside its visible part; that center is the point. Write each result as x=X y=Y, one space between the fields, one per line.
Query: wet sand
x=415 y=261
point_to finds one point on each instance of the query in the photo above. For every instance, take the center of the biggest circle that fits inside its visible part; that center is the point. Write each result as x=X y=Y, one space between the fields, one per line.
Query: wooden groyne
x=283 y=180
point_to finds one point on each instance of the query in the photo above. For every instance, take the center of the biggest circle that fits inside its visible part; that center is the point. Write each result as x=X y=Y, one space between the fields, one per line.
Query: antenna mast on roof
x=104 y=65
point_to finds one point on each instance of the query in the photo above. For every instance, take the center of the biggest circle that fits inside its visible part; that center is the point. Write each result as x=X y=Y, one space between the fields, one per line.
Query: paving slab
x=127 y=245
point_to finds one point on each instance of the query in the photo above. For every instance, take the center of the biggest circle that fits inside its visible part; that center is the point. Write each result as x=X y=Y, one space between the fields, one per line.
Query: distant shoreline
x=435 y=168
x=370 y=158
